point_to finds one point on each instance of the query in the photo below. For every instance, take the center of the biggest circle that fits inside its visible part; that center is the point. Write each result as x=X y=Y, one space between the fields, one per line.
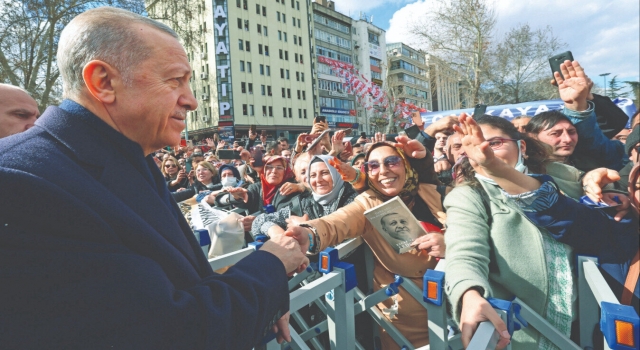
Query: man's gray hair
x=105 y=34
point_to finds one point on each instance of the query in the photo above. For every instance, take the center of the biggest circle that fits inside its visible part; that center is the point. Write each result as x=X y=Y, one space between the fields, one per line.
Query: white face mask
x=229 y=181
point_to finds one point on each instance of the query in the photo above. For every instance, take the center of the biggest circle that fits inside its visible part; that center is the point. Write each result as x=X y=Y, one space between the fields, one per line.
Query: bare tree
x=519 y=68
x=183 y=16
x=460 y=32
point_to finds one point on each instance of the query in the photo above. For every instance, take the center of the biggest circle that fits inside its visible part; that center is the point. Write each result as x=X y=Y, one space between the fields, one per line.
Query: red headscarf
x=269 y=191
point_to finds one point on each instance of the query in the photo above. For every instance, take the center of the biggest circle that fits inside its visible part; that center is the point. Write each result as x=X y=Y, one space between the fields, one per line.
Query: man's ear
x=98 y=79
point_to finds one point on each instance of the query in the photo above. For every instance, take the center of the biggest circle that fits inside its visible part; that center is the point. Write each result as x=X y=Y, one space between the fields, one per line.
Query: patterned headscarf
x=410 y=188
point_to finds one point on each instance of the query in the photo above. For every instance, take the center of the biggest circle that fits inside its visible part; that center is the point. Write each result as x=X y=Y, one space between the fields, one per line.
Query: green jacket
x=500 y=252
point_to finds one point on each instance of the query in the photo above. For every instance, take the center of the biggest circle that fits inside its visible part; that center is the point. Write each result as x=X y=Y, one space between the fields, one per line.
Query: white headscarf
x=327 y=198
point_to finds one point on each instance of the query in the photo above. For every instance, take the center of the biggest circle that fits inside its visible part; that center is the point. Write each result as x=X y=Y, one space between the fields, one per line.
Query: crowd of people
x=96 y=252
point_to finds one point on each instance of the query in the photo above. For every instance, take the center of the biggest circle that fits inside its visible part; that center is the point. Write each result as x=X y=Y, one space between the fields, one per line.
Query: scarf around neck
x=269 y=191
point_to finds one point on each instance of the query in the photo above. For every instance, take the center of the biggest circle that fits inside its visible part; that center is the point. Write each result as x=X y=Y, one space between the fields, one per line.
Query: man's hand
x=281 y=329
x=300 y=234
x=288 y=251
x=596 y=179
x=441 y=125
x=442 y=165
x=252 y=135
x=221 y=145
x=379 y=137
x=337 y=146
x=575 y=87
x=476 y=309
x=412 y=148
x=297 y=220
x=247 y=221
x=210 y=142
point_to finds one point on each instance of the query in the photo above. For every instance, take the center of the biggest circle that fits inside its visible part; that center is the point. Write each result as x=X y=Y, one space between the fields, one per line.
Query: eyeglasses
x=373 y=166
x=276 y=168
x=497 y=142
x=170 y=166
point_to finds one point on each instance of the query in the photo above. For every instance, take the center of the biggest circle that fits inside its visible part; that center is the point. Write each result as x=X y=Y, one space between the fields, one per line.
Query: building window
x=238 y=3
x=246 y=46
x=278 y=15
x=290 y=113
x=258 y=9
x=299 y=113
x=262 y=70
x=281 y=73
x=260 y=49
x=304 y=96
x=259 y=29
x=239 y=23
x=268 y=71
x=243 y=87
x=293 y=4
x=284 y=18
x=288 y=93
x=248 y=67
x=295 y=40
x=266 y=50
x=305 y=114
x=251 y=110
x=300 y=41
x=286 y=55
x=250 y=88
x=246 y=25
x=296 y=58
x=297 y=75
x=240 y=44
x=287 y=75
x=284 y=112
x=284 y=93
x=298 y=94
x=269 y=90
x=373 y=38
x=270 y=111
x=280 y=51
x=284 y=35
x=242 y=66
x=264 y=31
x=298 y=5
x=262 y=90
x=302 y=76
x=264 y=11
x=301 y=59
x=264 y=111
x=244 y=109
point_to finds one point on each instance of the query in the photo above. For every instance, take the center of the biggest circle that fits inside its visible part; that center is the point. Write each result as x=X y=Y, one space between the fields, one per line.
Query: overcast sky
x=603 y=35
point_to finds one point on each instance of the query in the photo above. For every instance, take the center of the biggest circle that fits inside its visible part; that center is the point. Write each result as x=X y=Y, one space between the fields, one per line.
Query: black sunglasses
x=373 y=166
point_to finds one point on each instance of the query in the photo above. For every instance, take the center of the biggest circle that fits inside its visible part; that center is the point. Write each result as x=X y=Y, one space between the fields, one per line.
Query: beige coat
x=349 y=222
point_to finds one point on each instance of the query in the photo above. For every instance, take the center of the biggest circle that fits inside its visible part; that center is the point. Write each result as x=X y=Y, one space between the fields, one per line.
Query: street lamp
x=604 y=76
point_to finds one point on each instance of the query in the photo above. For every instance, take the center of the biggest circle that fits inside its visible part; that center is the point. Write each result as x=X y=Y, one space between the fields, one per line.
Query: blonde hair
x=170 y=159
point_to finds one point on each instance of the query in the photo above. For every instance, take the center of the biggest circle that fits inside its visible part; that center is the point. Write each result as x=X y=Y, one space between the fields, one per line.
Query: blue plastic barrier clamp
x=433 y=284
x=350 y=280
x=513 y=313
x=328 y=258
x=620 y=325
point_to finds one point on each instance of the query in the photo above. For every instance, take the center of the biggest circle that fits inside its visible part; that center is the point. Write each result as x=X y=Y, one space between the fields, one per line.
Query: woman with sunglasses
x=175 y=176
x=267 y=196
x=506 y=232
x=402 y=170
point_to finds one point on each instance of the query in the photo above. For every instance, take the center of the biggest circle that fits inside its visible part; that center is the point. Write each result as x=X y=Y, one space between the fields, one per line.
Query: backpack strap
x=632 y=280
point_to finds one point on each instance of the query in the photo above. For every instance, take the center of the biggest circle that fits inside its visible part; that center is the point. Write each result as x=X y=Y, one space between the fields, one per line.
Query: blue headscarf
x=338 y=183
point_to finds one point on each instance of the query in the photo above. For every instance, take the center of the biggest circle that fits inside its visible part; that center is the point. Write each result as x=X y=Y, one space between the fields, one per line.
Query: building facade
x=370 y=60
x=408 y=76
x=445 y=85
x=253 y=67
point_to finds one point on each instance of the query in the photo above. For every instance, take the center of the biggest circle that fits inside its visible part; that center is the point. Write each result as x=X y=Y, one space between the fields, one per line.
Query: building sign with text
x=220 y=22
x=338 y=111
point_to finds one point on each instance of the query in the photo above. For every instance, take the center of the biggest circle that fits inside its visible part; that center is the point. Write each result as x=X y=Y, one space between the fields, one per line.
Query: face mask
x=229 y=182
x=520 y=165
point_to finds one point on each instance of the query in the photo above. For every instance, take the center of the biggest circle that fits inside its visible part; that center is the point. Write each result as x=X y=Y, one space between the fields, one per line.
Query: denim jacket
x=594 y=150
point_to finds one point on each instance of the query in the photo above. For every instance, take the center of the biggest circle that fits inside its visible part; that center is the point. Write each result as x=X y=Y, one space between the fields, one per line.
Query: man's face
x=454 y=147
x=286 y=153
x=622 y=135
x=18 y=111
x=284 y=145
x=520 y=123
x=396 y=226
x=153 y=109
x=441 y=138
x=562 y=137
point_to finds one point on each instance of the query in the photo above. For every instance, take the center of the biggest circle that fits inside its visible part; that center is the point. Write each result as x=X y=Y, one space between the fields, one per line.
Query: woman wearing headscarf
x=391 y=170
x=265 y=196
x=328 y=193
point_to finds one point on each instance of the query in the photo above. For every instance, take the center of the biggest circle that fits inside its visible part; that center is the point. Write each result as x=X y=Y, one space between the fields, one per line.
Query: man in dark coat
x=94 y=253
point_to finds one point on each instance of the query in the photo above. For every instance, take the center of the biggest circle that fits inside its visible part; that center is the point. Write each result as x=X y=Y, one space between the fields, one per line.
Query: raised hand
x=337 y=146
x=347 y=172
x=473 y=143
x=575 y=88
x=210 y=142
x=412 y=148
x=441 y=125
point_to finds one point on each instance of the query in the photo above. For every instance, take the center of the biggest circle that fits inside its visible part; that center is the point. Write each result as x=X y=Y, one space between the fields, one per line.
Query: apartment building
x=370 y=60
x=253 y=67
x=445 y=85
x=409 y=75
x=332 y=41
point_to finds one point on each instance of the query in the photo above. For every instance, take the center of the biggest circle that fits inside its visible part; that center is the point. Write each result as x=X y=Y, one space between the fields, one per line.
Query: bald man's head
x=18 y=110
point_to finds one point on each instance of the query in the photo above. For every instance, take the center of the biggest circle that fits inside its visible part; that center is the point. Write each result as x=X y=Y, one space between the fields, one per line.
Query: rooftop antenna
x=371 y=19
